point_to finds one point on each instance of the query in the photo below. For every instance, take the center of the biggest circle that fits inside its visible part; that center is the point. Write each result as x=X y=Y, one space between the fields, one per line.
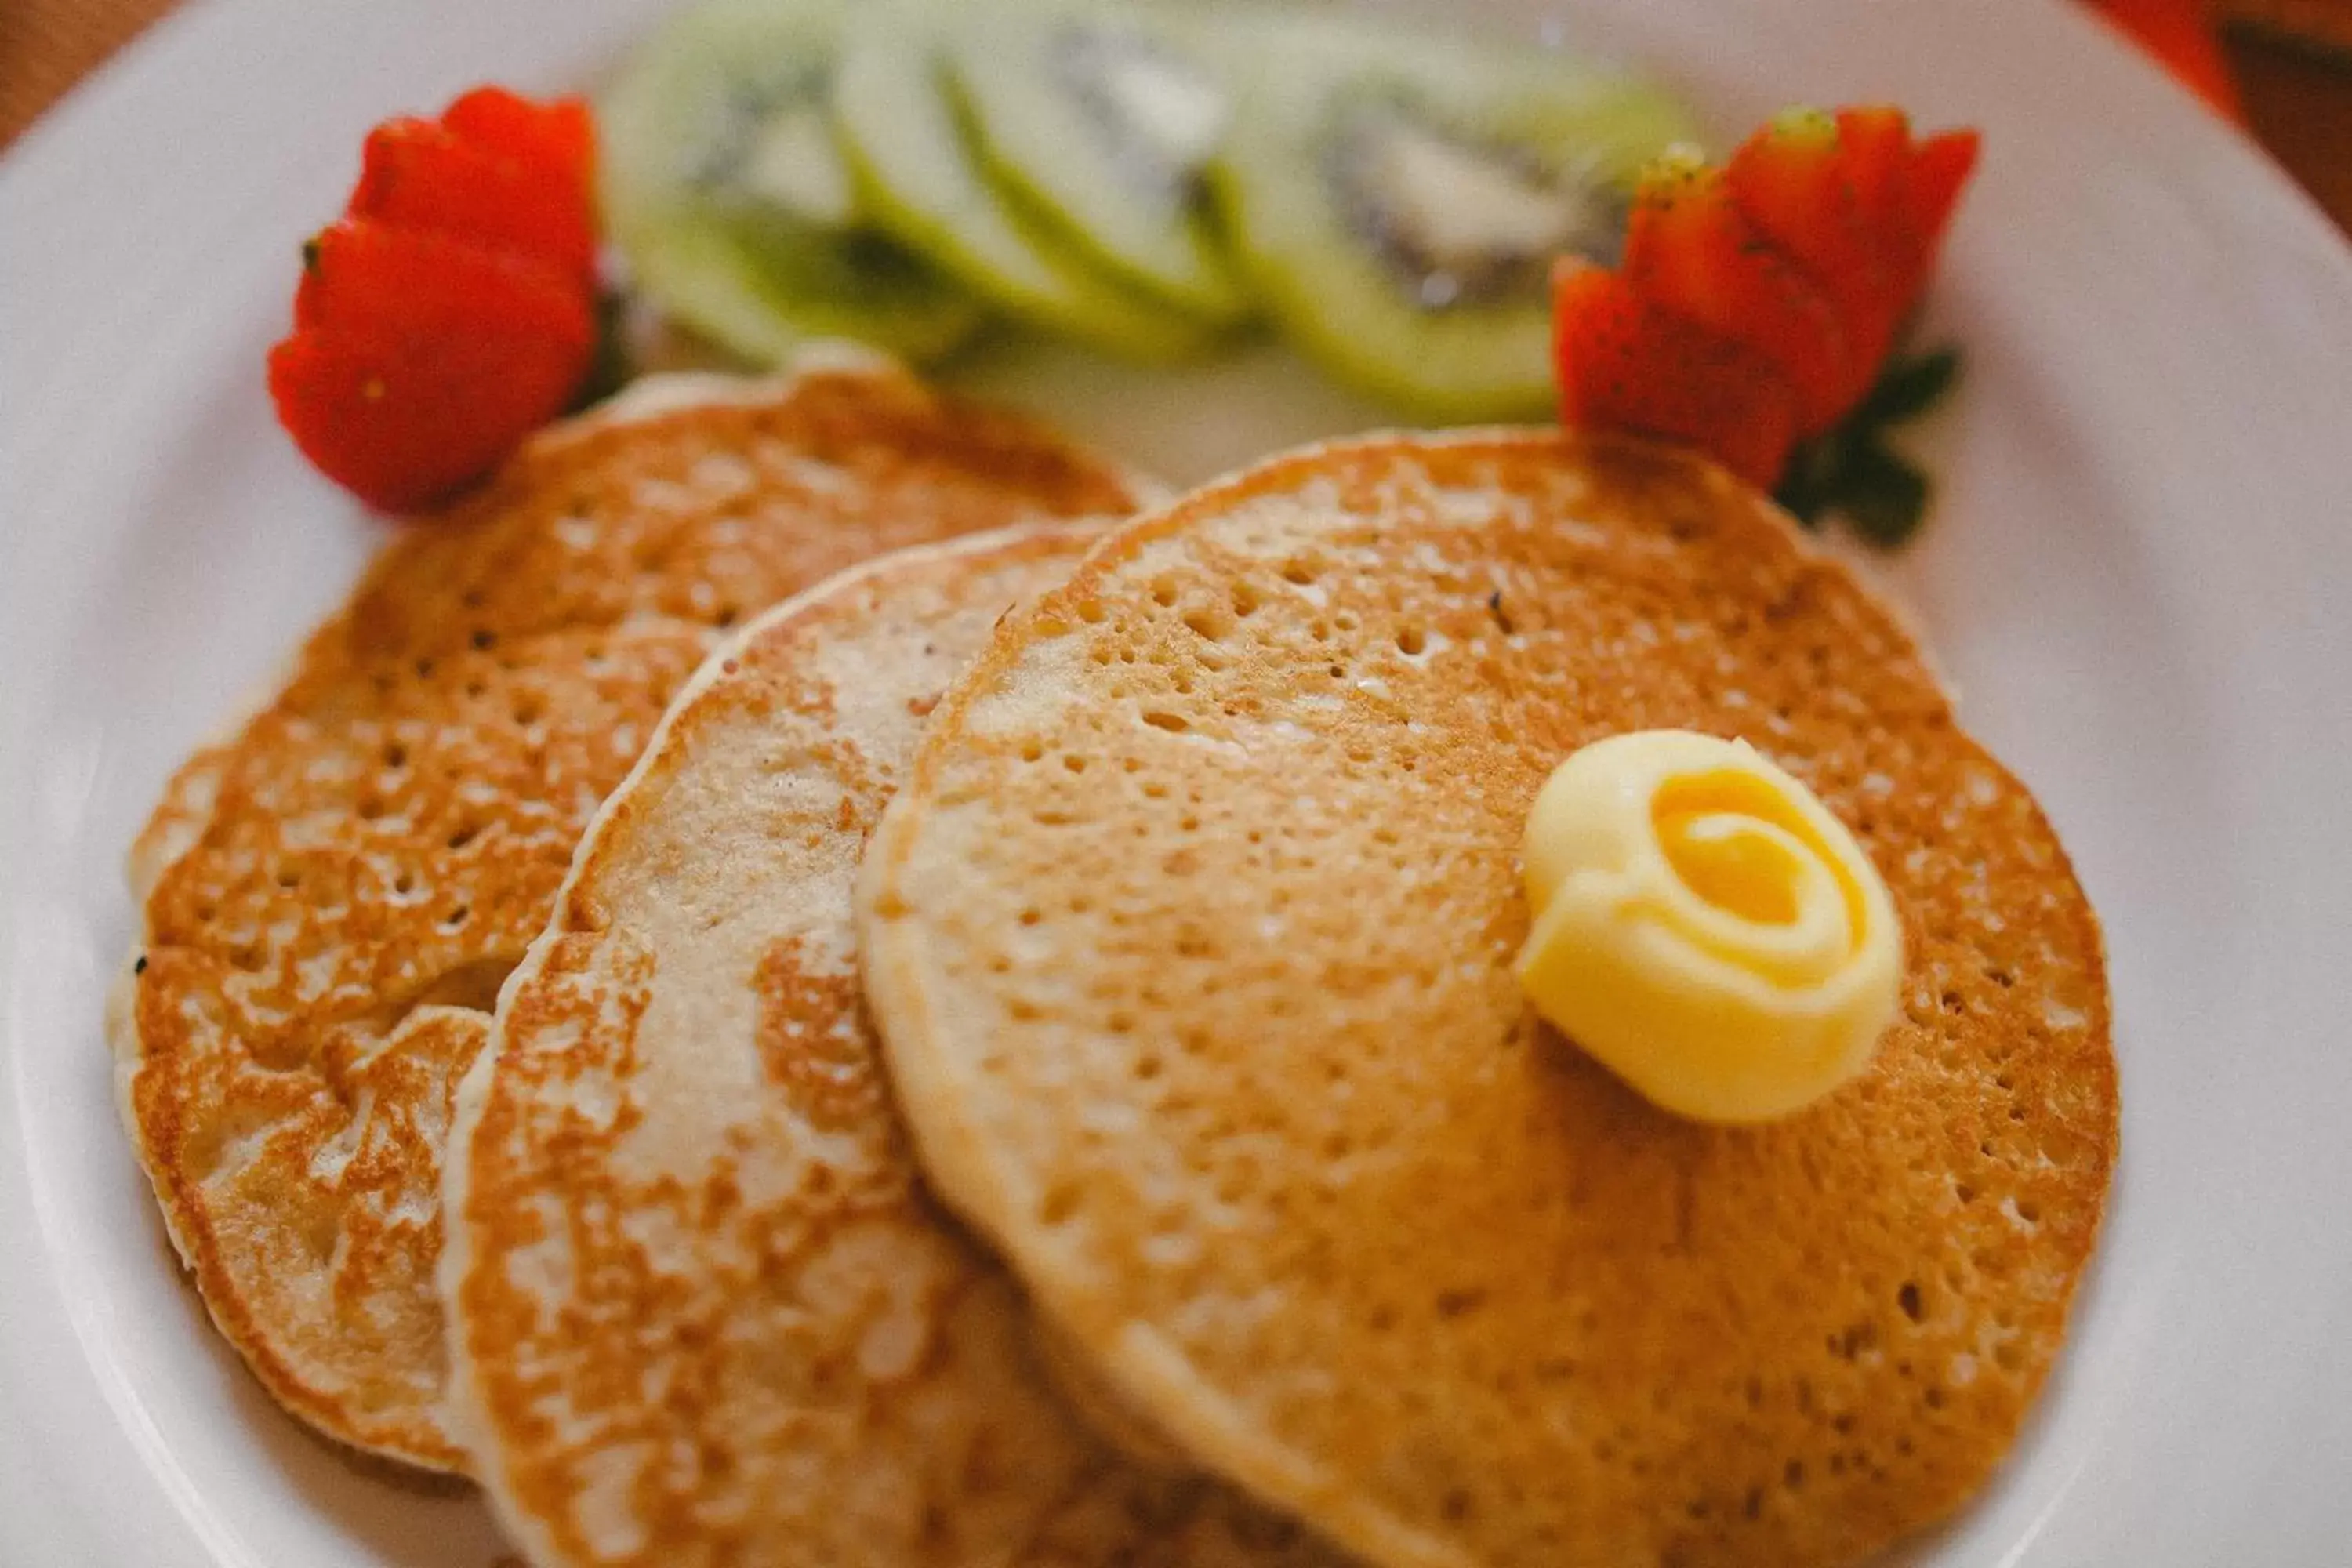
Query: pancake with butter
x=701 y=1311
x=331 y=897
x=1192 y=937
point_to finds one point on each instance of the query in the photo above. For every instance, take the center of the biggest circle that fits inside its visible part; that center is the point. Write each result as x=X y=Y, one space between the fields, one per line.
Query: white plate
x=2139 y=580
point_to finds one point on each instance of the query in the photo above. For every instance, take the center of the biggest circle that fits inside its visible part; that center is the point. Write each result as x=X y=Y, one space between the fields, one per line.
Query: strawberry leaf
x=1909 y=388
x=1852 y=471
x=1884 y=496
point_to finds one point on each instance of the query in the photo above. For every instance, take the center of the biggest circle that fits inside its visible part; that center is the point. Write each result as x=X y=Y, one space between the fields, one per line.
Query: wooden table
x=2298 y=97
x=2299 y=102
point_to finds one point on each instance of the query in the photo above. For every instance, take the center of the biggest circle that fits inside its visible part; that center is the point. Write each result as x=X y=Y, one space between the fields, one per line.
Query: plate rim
x=90 y=125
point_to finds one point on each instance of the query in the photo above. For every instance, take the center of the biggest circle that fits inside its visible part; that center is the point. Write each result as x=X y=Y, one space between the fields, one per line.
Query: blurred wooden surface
x=2324 y=22
x=2299 y=102
x=2298 y=95
x=47 y=45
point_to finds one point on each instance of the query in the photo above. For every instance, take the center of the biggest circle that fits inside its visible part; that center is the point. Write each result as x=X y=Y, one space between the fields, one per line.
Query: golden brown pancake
x=1190 y=939
x=701 y=1312
x=331 y=897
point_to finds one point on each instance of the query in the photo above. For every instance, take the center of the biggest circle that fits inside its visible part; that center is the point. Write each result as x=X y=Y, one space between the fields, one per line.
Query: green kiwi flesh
x=1103 y=121
x=1396 y=204
x=726 y=194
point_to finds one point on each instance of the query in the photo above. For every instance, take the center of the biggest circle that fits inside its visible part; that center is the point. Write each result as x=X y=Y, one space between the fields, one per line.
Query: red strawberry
x=419 y=359
x=1689 y=249
x=1940 y=167
x=1874 y=149
x=1906 y=191
x=360 y=274
x=1627 y=363
x=1790 y=181
x=2181 y=34
x=556 y=137
x=417 y=175
x=1757 y=302
x=453 y=310
x=404 y=420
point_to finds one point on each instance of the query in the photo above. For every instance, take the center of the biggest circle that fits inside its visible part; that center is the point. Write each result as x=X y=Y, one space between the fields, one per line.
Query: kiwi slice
x=908 y=134
x=724 y=188
x=1397 y=203
x=1103 y=119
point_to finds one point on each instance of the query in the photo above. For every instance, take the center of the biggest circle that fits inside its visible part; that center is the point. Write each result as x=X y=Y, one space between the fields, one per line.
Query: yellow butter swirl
x=1705 y=926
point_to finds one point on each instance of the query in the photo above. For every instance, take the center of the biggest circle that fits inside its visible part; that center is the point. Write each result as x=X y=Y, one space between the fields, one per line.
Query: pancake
x=701 y=1312
x=1189 y=941
x=331 y=897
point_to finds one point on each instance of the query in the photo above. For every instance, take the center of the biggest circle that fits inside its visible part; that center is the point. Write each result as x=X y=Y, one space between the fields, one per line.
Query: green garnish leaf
x=1852 y=471
x=610 y=369
x=1909 y=388
x=1884 y=496
x=1810 y=486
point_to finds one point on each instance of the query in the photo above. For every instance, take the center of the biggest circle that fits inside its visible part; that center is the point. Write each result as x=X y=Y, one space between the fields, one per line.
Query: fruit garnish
x=1851 y=470
x=453 y=310
x=726 y=190
x=367 y=274
x=1874 y=148
x=918 y=174
x=1794 y=264
x=1841 y=196
x=1940 y=167
x=1395 y=200
x=1101 y=122
x=1629 y=364
x=418 y=174
x=557 y=137
x=1689 y=249
x=405 y=419
x=1791 y=182
x=1143 y=179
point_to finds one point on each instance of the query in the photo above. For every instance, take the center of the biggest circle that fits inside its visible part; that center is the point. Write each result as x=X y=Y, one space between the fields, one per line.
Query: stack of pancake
x=794 y=984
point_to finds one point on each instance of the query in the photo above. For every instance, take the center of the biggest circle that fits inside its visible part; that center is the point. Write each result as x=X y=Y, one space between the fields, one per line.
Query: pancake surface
x=331 y=897
x=1190 y=939
x=701 y=1312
